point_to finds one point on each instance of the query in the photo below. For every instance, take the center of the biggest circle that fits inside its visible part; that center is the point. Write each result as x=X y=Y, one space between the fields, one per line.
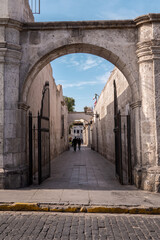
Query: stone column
x=148 y=52
x=136 y=142
x=13 y=166
x=14 y=169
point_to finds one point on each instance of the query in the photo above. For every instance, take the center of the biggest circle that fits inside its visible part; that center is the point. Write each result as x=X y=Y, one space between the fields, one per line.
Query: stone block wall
x=18 y=11
x=102 y=128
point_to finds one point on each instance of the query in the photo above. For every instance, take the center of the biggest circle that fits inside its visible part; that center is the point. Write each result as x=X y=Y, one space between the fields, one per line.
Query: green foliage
x=70 y=102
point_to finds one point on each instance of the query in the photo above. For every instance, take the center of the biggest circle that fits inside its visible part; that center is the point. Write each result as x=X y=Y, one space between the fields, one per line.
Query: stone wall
x=20 y=12
x=58 y=139
x=104 y=114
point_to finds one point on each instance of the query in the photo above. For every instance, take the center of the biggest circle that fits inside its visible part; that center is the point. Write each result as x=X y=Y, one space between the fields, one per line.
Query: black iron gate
x=39 y=141
x=122 y=130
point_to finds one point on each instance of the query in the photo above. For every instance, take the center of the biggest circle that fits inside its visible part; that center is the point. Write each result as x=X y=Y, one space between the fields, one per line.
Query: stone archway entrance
x=132 y=46
x=80 y=126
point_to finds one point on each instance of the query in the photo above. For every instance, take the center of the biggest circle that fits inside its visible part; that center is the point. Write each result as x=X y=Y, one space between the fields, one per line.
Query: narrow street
x=83 y=177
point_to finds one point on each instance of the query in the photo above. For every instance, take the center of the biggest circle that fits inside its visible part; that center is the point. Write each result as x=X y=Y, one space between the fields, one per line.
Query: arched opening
x=49 y=55
x=99 y=134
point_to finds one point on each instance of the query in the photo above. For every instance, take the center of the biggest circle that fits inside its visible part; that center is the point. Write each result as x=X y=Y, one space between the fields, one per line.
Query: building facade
x=26 y=47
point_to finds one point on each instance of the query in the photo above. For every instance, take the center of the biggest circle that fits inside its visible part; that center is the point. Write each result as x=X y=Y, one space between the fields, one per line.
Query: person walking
x=74 y=143
x=79 y=143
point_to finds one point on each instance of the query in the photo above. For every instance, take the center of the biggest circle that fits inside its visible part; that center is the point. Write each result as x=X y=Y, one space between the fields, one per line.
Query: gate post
x=148 y=52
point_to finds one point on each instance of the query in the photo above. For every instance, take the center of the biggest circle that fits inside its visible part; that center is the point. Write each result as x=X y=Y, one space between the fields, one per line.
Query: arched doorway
x=40 y=63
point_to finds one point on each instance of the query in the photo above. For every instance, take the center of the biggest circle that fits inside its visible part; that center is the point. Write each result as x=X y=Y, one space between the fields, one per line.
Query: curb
x=78 y=209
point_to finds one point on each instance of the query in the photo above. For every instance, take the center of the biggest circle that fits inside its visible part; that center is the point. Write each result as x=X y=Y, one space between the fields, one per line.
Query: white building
x=77 y=131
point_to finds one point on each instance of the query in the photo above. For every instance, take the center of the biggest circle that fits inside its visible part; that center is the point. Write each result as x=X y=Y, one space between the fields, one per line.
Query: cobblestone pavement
x=63 y=226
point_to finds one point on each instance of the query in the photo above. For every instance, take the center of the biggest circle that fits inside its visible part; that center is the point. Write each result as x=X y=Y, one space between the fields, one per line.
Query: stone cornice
x=11 y=46
x=23 y=106
x=7 y=22
x=148 y=50
x=149 y=18
x=78 y=25
x=10 y=53
x=136 y=104
x=99 y=24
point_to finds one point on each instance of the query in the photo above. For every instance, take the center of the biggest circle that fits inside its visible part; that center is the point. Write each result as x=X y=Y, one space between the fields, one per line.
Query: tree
x=70 y=102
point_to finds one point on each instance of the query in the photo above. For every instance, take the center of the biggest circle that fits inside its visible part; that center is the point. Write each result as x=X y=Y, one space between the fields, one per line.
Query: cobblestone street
x=56 y=226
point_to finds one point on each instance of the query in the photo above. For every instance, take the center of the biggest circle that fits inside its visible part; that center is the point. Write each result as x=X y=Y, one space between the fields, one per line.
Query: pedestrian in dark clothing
x=74 y=143
x=79 y=143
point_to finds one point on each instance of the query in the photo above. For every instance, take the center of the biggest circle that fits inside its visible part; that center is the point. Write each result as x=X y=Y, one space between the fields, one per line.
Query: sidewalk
x=83 y=178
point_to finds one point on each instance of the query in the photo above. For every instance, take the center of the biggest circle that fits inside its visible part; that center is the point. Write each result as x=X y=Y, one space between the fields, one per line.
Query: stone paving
x=63 y=226
x=83 y=177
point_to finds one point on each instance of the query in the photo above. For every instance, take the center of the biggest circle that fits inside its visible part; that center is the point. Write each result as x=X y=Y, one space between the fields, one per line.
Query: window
x=77 y=131
x=74 y=131
x=81 y=131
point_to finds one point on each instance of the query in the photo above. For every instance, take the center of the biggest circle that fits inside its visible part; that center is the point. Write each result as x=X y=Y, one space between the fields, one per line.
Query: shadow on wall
x=104 y=129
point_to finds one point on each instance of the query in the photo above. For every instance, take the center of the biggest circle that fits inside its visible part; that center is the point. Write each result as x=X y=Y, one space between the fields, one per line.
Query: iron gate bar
x=115 y=128
x=30 y=150
x=34 y=147
x=45 y=118
x=120 y=149
x=130 y=180
x=39 y=150
x=44 y=130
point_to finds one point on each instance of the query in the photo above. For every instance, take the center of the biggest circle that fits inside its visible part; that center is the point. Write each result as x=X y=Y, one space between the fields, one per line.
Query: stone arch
x=79 y=115
x=70 y=122
x=128 y=65
x=46 y=56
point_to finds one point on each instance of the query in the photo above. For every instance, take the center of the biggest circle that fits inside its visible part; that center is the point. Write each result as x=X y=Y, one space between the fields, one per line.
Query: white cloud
x=83 y=62
x=90 y=63
x=103 y=78
x=79 y=84
x=62 y=59
x=99 y=80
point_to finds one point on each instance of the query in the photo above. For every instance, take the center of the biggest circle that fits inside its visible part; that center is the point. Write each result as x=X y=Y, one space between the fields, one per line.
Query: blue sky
x=82 y=75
